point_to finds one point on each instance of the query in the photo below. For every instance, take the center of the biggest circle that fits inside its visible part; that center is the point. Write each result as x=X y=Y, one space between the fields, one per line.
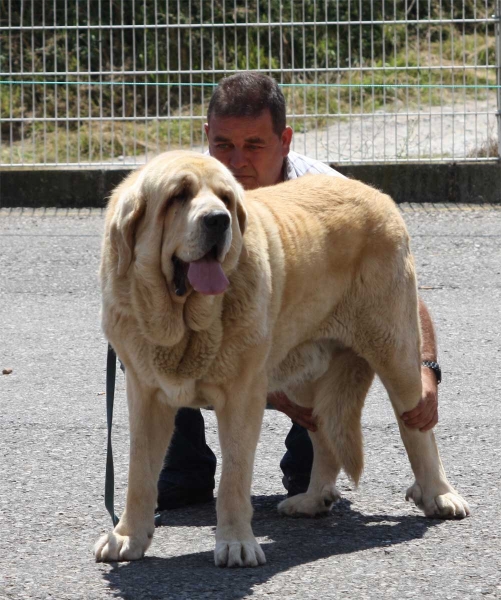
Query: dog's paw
x=447 y=505
x=115 y=547
x=238 y=553
x=310 y=504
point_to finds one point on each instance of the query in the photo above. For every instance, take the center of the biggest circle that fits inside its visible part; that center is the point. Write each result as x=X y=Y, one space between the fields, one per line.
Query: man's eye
x=222 y=146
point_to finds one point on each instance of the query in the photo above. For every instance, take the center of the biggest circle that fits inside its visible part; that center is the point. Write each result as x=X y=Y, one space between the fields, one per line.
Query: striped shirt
x=296 y=165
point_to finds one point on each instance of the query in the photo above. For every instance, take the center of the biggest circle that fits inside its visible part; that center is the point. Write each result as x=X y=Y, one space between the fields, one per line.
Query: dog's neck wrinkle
x=200 y=311
x=175 y=297
x=192 y=357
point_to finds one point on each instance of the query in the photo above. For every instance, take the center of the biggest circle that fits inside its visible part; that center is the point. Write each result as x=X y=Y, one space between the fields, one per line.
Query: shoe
x=295 y=484
x=174 y=496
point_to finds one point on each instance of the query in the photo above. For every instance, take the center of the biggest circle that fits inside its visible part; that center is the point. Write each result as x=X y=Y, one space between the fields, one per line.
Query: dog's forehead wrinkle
x=206 y=201
x=219 y=180
x=164 y=183
x=183 y=182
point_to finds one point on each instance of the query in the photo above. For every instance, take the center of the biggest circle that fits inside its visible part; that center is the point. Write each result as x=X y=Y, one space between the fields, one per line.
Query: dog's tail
x=339 y=400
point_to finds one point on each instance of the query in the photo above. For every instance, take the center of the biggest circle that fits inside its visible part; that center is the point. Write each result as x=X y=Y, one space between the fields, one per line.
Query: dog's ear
x=241 y=212
x=129 y=210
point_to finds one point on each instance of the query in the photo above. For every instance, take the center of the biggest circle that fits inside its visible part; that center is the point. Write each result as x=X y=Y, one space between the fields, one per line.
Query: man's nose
x=238 y=159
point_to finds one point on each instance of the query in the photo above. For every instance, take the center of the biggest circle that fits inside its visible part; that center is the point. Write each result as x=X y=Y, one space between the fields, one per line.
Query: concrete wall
x=84 y=188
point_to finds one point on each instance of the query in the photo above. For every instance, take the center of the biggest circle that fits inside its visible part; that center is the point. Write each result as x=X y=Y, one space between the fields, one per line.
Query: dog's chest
x=192 y=358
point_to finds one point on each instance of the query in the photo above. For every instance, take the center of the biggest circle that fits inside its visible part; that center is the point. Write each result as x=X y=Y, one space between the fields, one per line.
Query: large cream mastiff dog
x=214 y=298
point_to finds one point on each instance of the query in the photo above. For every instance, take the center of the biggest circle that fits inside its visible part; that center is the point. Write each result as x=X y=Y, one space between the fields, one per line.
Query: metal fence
x=112 y=82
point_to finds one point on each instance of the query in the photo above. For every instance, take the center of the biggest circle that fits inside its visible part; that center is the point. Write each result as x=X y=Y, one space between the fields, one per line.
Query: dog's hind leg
x=322 y=491
x=338 y=401
x=151 y=426
x=399 y=367
x=431 y=491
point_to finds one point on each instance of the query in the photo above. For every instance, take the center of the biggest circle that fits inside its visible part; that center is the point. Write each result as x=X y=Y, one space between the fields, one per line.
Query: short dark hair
x=248 y=94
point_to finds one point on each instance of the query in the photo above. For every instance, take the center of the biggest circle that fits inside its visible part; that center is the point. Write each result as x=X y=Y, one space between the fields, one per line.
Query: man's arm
x=299 y=414
x=425 y=415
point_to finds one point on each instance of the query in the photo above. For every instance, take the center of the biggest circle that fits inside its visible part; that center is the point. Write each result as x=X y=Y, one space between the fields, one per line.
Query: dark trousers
x=298 y=459
x=190 y=463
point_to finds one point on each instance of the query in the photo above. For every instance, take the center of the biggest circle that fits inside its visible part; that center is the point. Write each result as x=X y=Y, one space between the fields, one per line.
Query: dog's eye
x=181 y=197
x=226 y=199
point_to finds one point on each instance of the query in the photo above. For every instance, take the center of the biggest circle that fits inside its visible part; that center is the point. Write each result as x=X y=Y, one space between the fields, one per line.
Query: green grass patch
x=427 y=66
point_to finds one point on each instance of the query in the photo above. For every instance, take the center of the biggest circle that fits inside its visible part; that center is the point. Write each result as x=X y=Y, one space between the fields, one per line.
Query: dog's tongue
x=207 y=276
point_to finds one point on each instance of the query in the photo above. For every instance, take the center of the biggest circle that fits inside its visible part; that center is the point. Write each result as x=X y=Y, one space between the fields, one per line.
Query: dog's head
x=182 y=215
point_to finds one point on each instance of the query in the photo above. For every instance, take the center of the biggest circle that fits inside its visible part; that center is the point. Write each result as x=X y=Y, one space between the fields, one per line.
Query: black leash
x=109 y=482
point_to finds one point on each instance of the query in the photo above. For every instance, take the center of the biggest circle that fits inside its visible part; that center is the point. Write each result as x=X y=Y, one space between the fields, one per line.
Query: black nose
x=216 y=222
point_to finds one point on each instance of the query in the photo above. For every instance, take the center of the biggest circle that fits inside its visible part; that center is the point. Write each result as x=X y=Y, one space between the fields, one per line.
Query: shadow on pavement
x=294 y=542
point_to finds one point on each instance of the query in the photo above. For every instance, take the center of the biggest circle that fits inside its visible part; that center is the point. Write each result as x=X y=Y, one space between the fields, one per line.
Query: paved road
x=373 y=545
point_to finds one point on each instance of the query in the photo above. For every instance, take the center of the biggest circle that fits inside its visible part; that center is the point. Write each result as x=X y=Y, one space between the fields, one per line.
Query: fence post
x=498 y=70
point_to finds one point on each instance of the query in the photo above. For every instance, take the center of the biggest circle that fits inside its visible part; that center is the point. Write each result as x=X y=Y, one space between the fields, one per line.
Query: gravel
x=372 y=545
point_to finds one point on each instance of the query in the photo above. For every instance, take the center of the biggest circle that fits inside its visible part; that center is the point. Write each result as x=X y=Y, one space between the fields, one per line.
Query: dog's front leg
x=151 y=425
x=239 y=424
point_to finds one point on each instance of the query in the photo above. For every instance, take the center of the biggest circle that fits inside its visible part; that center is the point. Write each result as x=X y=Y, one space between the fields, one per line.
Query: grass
x=488 y=149
x=103 y=141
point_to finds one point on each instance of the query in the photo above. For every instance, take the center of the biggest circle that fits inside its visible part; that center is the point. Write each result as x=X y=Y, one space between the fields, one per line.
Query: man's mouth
x=205 y=275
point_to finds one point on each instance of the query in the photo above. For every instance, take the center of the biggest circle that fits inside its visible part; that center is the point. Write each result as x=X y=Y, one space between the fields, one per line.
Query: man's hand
x=300 y=415
x=425 y=415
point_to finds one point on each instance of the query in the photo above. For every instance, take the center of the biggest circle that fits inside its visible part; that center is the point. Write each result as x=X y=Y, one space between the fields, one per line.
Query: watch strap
x=435 y=367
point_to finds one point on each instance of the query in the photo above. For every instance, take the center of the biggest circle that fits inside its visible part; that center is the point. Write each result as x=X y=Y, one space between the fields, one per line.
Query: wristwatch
x=435 y=367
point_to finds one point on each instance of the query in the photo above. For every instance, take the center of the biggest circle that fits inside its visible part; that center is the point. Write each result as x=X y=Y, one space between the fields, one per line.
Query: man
x=247 y=132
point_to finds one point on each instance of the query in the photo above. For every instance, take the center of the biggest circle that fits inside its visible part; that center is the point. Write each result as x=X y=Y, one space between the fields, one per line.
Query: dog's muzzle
x=206 y=274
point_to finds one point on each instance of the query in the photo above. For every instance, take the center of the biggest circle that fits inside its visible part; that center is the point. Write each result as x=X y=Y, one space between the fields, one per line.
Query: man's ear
x=286 y=139
x=129 y=210
x=206 y=129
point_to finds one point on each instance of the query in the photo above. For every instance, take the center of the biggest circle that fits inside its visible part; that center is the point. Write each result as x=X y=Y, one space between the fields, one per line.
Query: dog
x=213 y=297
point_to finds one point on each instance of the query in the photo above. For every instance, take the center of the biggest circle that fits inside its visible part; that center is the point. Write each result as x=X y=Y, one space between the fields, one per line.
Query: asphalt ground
x=372 y=545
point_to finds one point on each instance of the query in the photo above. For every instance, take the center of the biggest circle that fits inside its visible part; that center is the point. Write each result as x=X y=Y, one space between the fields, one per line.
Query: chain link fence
x=113 y=82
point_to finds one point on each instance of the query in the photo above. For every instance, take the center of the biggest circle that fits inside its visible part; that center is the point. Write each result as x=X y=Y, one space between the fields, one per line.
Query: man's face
x=250 y=148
